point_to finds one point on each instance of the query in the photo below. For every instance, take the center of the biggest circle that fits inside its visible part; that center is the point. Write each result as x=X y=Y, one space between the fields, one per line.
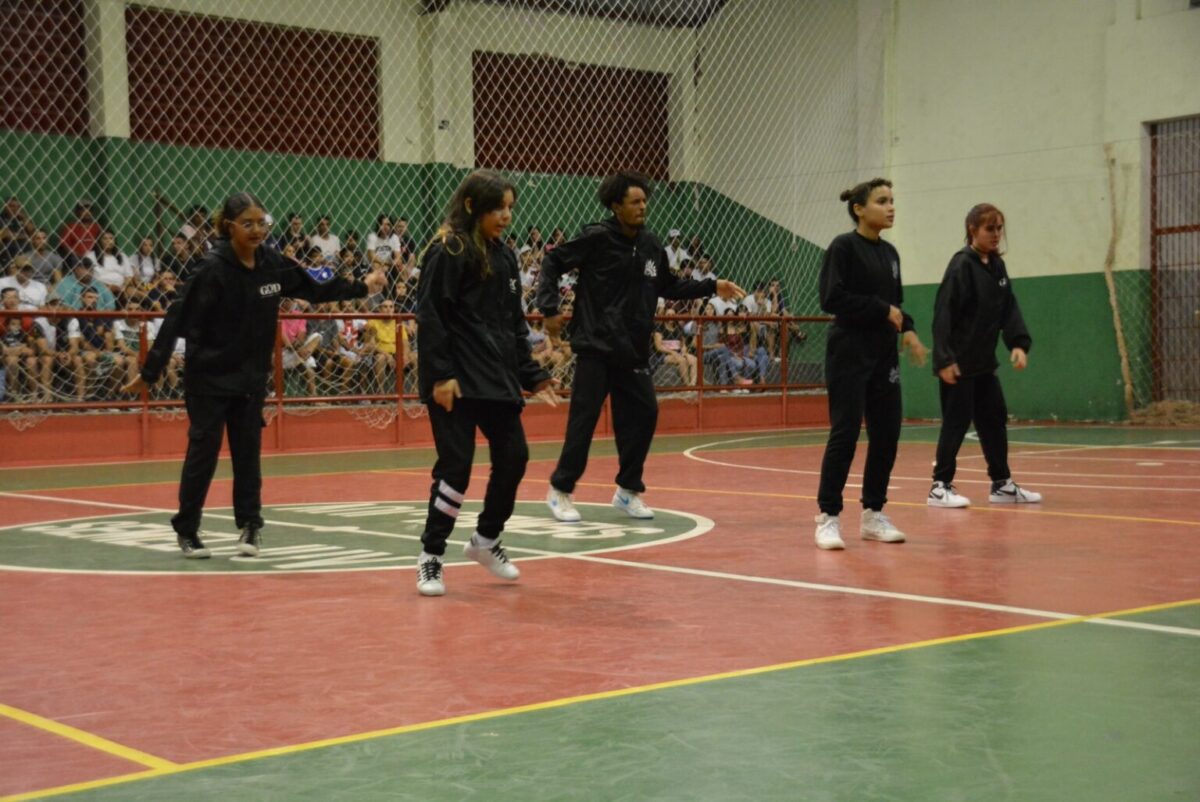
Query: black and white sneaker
x=250 y=542
x=494 y=559
x=429 y=577
x=944 y=495
x=1011 y=493
x=192 y=546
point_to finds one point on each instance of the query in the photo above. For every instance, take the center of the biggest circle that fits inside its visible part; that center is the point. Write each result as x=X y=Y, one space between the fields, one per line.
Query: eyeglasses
x=251 y=225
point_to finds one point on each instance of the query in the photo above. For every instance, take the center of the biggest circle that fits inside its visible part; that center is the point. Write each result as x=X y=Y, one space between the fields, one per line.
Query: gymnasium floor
x=1047 y=652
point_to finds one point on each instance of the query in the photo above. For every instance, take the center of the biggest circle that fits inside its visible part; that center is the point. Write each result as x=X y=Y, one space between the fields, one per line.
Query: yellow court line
x=552 y=704
x=86 y=738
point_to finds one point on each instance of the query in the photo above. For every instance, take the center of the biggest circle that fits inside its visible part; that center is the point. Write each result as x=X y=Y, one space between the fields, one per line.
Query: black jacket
x=227 y=313
x=860 y=281
x=616 y=296
x=473 y=328
x=974 y=305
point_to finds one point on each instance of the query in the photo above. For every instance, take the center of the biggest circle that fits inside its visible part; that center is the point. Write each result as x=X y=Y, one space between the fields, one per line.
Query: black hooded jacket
x=472 y=328
x=975 y=305
x=616 y=296
x=227 y=313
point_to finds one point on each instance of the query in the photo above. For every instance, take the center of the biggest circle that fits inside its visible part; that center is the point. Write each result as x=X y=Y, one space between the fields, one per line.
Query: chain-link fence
x=124 y=125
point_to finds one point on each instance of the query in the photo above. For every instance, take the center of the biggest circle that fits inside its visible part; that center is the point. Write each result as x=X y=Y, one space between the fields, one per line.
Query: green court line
x=493 y=718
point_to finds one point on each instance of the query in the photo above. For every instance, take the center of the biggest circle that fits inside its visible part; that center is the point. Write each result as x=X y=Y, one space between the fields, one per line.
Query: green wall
x=1074 y=371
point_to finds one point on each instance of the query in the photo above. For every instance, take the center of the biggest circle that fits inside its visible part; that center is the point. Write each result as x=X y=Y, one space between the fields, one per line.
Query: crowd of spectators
x=51 y=354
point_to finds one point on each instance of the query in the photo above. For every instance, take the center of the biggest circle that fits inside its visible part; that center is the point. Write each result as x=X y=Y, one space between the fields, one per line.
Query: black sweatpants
x=978 y=399
x=862 y=377
x=454 y=437
x=209 y=417
x=634 y=418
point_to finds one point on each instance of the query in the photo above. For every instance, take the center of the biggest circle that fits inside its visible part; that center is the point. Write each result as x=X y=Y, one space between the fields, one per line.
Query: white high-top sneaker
x=495 y=558
x=631 y=504
x=561 y=507
x=829 y=533
x=877 y=526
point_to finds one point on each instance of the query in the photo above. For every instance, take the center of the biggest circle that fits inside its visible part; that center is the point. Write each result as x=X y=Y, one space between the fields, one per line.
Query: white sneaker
x=429 y=577
x=877 y=526
x=631 y=503
x=944 y=495
x=494 y=559
x=829 y=533
x=1010 y=493
x=561 y=507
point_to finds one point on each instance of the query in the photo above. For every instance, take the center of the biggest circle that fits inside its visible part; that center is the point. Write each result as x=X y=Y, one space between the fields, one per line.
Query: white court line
x=690 y=454
x=1157 y=477
x=590 y=556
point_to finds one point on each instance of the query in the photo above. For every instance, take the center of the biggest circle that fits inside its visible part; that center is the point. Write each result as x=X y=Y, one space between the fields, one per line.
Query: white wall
x=1013 y=102
x=791 y=106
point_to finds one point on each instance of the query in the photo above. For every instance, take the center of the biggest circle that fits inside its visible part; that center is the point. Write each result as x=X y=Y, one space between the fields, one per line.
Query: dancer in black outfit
x=975 y=305
x=861 y=288
x=227 y=312
x=623 y=271
x=473 y=362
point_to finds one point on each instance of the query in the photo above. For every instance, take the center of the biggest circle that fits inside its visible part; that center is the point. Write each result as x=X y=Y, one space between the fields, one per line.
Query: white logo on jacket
x=895 y=269
x=894 y=375
x=512 y=285
x=651 y=269
x=267 y=290
x=1004 y=282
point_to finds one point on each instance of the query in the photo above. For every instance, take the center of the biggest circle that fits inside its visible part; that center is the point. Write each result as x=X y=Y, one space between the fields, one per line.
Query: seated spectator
x=78 y=236
x=57 y=349
x=332 y=366
x=695 y=247
x=298 y=344
x=47 y=264
x=546 y=353
x=144 y=263
x=534 y=240
x=704 y=269
x=97 y=351
x=82 y=277
x=18 y=371
x=670 y=347
x=757 y=304
x=31 y=293
x=557 y=237
x=294 y=234
x=325 y=239
x=406 y=252
x=382 y=244
x=112 y=268
x=178 y=258
x=379 y=346
x=16 y=229
x=127 y=342
x=162 y=291
x=196 y=230
x=676 y=253
x=734 y=339
x=716 y=355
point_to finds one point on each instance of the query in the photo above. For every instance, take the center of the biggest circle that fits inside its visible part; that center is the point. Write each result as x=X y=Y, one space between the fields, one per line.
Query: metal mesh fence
x=124 y=125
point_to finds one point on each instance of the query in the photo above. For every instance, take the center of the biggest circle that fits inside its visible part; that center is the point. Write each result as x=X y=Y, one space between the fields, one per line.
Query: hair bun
x=847 y=194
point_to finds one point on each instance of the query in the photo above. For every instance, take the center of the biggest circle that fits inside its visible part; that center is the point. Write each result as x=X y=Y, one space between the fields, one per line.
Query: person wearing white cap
x=675 y=251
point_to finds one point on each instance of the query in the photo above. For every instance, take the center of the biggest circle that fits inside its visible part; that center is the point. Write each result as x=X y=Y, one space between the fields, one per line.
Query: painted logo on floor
x=350 y=536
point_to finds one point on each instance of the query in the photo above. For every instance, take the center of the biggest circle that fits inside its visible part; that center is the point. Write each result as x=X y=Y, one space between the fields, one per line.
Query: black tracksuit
x=227 y=313
x=472 y=328
x=616 y=296
x=860 y=281
x=975 y=305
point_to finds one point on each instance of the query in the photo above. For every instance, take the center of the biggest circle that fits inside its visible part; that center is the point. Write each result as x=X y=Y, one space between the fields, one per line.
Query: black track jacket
x=473 y=328
x=227 y=313
x=860 y=281
x=616 y=296
x=974 y=305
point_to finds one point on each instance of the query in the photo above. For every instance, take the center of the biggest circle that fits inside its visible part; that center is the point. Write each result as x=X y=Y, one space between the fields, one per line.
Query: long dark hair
x=233 y=206
x=460 y=229
x=859 y=194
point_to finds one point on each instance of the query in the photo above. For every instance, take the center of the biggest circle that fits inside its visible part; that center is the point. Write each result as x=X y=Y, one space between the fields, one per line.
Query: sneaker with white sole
x=829 y=533
x=877 y=526
x=631 y=504
x=429 y=577
x=561 y=507
x=944 y=495
x=1011 y=493
x=192 y=546
x=495 y=559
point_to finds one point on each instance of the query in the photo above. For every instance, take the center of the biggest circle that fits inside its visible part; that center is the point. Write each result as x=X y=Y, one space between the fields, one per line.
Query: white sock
x=484 y=542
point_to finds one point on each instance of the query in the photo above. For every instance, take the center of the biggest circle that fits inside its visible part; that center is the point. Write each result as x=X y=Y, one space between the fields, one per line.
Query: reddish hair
x=980 y=214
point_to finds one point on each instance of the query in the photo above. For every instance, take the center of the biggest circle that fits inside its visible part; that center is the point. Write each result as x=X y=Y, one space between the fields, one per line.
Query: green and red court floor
x=1049 y=652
